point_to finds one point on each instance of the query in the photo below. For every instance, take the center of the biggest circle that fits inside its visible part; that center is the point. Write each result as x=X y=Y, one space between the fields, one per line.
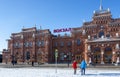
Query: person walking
x=74 y=65
x=32 y=62
x=83 y=67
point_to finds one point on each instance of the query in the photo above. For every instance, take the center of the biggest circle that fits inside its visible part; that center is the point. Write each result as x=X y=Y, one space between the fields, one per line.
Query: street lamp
x=56 y=55
x=6 y=57
x=68 y=56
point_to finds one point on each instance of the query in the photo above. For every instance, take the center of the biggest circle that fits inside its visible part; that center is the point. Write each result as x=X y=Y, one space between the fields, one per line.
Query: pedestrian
x=83 y=67
x=74 y=65
x=32 y=63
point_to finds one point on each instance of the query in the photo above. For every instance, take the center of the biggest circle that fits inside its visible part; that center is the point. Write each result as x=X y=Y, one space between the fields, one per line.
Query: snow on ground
x=61 y=72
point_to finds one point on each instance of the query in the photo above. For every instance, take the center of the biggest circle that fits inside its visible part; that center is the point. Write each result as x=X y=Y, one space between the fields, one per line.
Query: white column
x=102 y=62
x=113 y=57
x=89 y=48
x=117 y=35
x=117 y=46
x=118 y=60
x=90 y=60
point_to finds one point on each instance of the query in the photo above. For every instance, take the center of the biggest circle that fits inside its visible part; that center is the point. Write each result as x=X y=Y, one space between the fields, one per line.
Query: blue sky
x=50 y=14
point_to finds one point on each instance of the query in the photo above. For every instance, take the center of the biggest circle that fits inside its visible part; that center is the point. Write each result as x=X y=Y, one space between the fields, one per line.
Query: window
x=26 y=44
x=108 y=49
x=96 y=49
x=55 y=44
x=108 y=35
x=17 y=45
x=27 y=55
x=61 y=56
x=30 y=44
x=42 y=43
x=101 y=33
x=62 y=44
x=95 y=36
x=69 y=43
x=38 y=43
x=78 y=41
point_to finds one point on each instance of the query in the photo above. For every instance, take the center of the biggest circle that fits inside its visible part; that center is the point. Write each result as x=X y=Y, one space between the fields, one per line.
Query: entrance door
x=96 y=57
x=108 y=55
x=78 y=58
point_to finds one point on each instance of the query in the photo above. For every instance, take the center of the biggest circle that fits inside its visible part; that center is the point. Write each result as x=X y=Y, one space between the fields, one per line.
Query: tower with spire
x=101 y=5
x=102 y=16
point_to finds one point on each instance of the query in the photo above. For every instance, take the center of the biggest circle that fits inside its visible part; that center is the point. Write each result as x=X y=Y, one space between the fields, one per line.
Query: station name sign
x=62 y=30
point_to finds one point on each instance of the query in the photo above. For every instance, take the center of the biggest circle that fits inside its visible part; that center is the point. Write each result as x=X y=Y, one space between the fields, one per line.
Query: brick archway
x=107 y=55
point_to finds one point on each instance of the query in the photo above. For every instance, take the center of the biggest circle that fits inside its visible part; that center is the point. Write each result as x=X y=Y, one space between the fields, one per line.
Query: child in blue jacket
x=83 y=67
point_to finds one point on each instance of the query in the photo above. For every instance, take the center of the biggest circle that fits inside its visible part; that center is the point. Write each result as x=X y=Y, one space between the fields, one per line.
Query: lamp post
x=68 y=56
x=56 y=56
x=6 y=57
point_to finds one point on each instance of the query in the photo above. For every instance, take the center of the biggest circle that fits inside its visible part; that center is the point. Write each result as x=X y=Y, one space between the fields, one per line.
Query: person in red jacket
x=74 y=65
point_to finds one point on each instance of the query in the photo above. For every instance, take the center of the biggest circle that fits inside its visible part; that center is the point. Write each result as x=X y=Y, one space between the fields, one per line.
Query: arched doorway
x=96 y=55
x=108 y=55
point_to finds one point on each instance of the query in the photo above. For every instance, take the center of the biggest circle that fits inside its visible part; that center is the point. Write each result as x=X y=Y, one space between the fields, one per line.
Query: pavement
x=25 y=65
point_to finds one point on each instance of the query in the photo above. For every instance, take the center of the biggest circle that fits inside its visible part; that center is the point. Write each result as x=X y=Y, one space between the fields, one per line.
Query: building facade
x=97 y=41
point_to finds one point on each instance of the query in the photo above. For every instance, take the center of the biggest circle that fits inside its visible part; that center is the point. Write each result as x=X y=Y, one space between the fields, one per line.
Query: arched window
x=96 y=49
x=101 y=33
x=108 y=49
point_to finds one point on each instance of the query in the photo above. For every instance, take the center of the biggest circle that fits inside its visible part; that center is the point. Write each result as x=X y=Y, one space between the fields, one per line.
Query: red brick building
x=97 y=41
